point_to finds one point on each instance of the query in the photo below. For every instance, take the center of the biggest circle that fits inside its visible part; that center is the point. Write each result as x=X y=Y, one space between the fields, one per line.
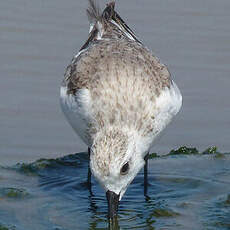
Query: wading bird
x=118 y=97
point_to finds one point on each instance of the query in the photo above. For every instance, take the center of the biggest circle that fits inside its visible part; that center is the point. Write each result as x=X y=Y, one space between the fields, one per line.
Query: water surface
x=53 y=194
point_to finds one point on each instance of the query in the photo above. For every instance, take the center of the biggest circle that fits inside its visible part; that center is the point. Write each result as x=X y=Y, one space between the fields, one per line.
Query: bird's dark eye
x=125 y=169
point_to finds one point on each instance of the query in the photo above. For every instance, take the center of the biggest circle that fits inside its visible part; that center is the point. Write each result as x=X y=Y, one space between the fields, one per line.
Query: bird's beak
x=113 y=202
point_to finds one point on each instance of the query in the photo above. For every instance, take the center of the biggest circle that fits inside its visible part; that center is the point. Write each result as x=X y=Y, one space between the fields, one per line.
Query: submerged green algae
x=33 y=168
x=152 y=155
x=164 y=213
x=184 y=150
x=16 y=193
x=227 y=201
x=2 y=227
x=210 y=150
x=73 y=160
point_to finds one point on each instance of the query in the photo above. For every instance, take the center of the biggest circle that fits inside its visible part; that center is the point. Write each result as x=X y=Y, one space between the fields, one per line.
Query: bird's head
x=115 y=160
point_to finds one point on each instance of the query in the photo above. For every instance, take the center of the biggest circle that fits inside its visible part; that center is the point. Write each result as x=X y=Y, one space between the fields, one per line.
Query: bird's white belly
x=74 y=114
x=168 y=104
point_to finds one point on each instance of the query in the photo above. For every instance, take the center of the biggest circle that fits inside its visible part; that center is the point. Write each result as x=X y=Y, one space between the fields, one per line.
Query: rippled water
x=184 y=192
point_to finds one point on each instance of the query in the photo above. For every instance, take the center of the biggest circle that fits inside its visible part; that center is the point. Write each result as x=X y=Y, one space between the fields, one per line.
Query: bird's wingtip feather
x=93 y=11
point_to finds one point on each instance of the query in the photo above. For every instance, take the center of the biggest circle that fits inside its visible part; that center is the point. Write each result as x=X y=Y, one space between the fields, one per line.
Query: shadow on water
x=187 y=190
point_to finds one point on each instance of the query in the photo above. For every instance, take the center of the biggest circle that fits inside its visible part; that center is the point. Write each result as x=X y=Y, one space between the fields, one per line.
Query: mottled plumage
x=118 y=97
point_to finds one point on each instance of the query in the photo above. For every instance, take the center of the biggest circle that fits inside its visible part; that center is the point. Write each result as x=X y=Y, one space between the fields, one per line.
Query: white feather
x=76 y=109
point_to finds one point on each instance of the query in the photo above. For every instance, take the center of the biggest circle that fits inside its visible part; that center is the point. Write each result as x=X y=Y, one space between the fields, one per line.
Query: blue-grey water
x=184 y=192
x=37 y=41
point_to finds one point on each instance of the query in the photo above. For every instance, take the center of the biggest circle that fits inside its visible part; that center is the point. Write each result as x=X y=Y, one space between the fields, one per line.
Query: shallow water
x=53 y=194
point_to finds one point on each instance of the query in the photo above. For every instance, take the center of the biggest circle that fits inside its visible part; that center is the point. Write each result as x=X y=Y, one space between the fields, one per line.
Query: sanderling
x=118 y=97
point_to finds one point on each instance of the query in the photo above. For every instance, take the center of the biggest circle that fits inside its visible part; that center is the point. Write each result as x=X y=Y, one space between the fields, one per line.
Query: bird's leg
x=89 y=173
x=146 y=175
x=93 y=206
x=113 y=224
